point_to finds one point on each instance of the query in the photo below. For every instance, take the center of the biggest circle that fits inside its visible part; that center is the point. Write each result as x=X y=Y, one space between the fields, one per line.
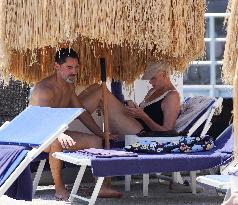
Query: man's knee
x=56 y=146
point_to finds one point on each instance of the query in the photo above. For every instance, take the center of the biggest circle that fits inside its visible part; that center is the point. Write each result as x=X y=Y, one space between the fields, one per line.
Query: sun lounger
x=222 y=181
x=34 y=129
x=145 y=163
x=196 y=113
x=218 y=181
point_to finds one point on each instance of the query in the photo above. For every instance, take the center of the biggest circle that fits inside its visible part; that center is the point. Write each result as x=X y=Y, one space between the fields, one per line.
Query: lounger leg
x=177 y=178
x=228 y=194
x=96 y=191
x=193 y=182
x=146 y=179
x=38 y=176
x=127 y=182
x=158 y=176
x=77 y=182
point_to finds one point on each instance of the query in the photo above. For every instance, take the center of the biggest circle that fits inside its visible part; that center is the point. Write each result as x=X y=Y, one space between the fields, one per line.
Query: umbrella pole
x=105 y=103
x=105 y=110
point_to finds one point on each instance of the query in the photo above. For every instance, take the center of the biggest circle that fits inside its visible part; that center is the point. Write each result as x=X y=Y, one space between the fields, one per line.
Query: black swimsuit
x=155 y=112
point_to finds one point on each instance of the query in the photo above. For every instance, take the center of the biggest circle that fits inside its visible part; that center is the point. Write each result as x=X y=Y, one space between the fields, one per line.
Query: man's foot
x=62 y=195
x=107 y=192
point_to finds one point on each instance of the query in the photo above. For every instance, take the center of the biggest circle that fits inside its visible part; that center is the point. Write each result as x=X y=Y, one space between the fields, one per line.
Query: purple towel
x=21 y=189
x=10 y=157
x=8 y=153
x=102 y=153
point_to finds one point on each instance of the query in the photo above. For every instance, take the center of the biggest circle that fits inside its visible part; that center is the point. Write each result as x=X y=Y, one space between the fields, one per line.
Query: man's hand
x=66 y=141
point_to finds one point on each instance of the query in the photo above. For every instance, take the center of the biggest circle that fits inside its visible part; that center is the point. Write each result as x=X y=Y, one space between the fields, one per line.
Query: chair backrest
x=225 y=141
x=191 y=110
x=36 y=125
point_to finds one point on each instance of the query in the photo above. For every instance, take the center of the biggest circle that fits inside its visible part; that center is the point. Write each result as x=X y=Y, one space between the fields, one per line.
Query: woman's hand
x=136 y=112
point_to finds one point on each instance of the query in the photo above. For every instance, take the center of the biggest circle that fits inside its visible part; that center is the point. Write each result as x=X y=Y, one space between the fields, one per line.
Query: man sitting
x=58 y=91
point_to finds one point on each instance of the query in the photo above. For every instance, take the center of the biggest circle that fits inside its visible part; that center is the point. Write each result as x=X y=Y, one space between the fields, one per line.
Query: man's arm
x=42 y=96
x=86 y=117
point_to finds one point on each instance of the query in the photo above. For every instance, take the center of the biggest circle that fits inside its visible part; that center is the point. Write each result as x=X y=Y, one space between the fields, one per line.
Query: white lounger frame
x=176 y=176
x=217 y=184
x=220 y=184
x=83 y=163
x=32 y=154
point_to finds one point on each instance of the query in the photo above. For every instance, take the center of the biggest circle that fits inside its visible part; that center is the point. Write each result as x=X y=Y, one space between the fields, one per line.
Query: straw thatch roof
x=126 y=32
x=231 y=46
x=230 y=63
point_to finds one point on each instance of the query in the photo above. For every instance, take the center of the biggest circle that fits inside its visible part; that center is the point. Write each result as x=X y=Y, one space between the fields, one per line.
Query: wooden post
x=105 y=109
x=235 y=112
x=105 y=102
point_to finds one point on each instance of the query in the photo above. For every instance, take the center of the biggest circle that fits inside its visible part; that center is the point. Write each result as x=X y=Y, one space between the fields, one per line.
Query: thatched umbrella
x=126 y=33
x=230 y=63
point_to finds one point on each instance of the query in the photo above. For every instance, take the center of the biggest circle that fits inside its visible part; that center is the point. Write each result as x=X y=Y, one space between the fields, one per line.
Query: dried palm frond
x=127 y=32
x=231 y=46
x=4 y=57
x=235 y=112
x=230 y=63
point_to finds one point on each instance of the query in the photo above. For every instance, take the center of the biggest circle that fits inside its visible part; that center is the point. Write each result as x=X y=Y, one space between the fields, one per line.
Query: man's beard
x=71 y=79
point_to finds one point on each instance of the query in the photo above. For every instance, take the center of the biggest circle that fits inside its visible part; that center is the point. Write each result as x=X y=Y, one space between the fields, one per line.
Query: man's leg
x=119 y=121
x=106 y=190
x=83 y=141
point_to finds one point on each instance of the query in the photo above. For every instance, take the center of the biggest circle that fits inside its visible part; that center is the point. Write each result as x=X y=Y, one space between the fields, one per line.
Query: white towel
x=190 y=110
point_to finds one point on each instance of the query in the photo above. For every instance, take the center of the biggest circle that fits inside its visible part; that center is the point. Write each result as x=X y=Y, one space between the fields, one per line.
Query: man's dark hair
x=63 y=53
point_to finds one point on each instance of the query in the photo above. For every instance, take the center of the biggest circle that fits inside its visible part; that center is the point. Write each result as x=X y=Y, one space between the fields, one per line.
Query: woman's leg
x=119 y=121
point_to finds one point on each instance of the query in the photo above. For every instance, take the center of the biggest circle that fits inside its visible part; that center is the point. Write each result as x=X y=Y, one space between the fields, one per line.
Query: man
x=58 y=91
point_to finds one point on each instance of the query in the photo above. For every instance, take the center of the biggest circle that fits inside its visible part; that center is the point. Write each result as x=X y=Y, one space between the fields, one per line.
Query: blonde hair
x=153 y=67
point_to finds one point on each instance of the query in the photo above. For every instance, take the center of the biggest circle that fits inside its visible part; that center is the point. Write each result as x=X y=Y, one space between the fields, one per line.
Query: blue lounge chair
x=221 y=181
x=32 y=131
x=194 y=119
x=146 y=163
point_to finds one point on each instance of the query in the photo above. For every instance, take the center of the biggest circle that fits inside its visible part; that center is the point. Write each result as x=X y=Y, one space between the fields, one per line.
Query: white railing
x=212 y=89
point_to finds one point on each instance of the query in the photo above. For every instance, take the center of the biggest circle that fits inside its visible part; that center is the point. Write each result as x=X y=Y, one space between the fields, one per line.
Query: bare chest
x=62 y=99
